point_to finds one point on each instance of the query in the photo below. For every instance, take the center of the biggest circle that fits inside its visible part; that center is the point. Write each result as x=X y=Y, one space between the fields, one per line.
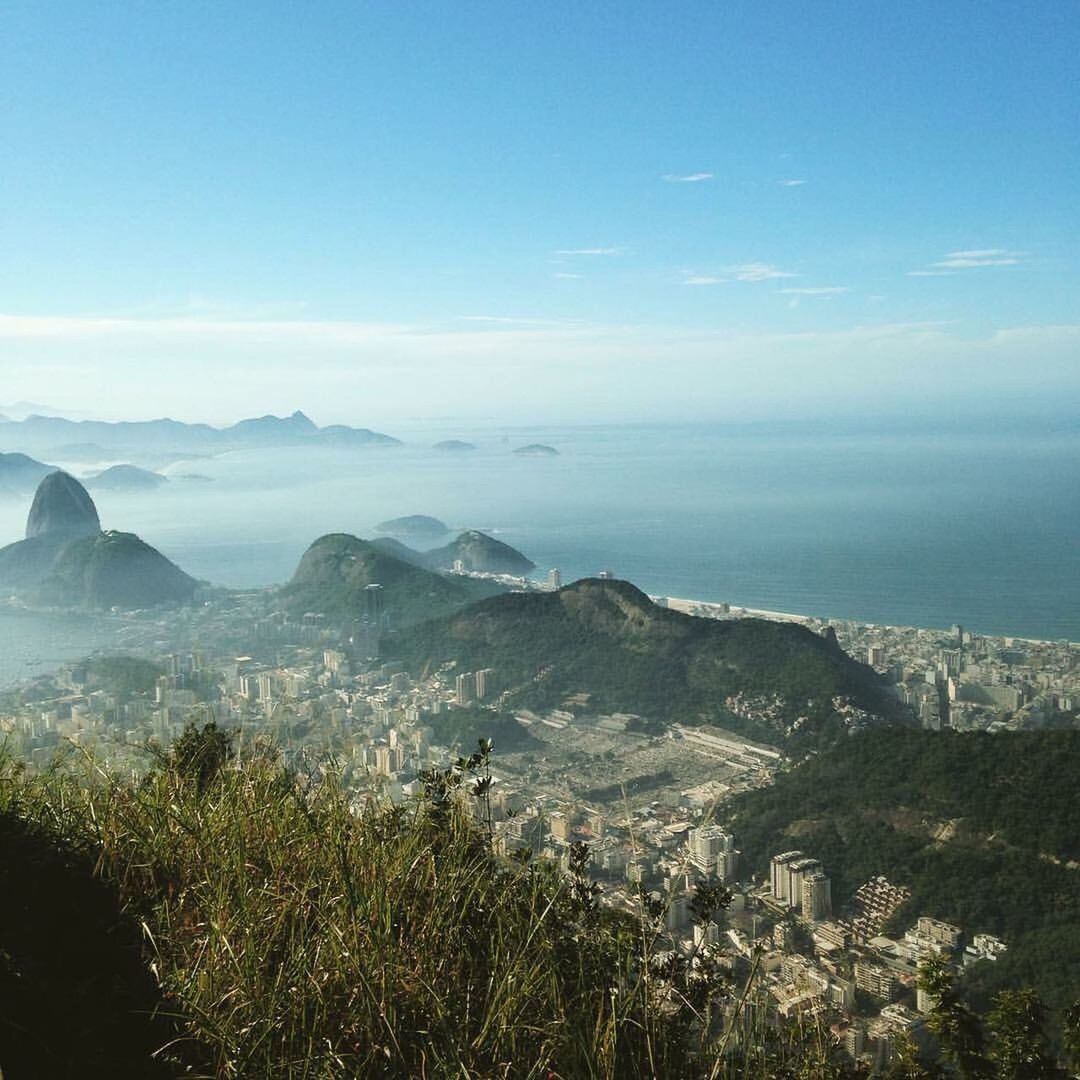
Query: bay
x=925 y=528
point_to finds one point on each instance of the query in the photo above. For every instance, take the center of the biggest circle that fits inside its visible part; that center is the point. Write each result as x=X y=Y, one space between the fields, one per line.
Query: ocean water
x=32 y=643
x=917 y=528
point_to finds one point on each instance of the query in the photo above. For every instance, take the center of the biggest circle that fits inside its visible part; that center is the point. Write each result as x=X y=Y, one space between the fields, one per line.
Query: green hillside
x=337 y=568
x=478 y=551
x=606 y=638
x=982 y=829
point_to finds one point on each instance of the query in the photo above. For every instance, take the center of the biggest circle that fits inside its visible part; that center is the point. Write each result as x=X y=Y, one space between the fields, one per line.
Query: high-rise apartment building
x=816 y=896
x=779 y=875
x=798 y=871
x=465 y=688
x=712 y=851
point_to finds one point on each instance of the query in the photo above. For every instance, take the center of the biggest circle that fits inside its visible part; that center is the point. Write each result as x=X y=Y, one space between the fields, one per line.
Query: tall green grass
x=293 y=933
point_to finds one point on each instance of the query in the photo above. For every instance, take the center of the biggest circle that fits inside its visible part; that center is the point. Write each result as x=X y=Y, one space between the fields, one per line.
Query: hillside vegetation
x=607 y=639
x=478 y=551
x=982 y=829
x=337 y=568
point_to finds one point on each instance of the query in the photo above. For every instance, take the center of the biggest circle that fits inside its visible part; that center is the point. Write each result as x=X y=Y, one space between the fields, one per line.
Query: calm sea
x=926 y=529
x=35 y=644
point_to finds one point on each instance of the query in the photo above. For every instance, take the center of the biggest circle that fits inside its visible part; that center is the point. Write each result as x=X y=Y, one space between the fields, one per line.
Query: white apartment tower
x=778 y=868
x=712 y=851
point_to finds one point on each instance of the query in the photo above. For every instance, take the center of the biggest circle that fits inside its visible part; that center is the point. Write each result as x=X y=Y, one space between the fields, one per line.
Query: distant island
x=126 y=478
x=537 y=450
x=414 y=526
x=454 y=445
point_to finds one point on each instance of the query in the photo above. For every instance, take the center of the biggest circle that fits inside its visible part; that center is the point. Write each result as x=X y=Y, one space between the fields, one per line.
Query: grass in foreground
x=214 y=921
x=289 y=935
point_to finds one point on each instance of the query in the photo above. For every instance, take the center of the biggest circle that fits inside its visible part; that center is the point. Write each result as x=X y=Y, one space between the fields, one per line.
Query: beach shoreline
x=719 y=609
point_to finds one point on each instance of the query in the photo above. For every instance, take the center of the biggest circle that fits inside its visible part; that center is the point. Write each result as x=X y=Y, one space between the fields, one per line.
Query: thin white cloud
x=515 y=320
x=791 y=183
x=702 y=279
x=980 y=253
x=757 y=271
x=820 y=290
x=956 y=263
x=592 y=251
x=971 y=259
x=690 y=178
x=568 y=277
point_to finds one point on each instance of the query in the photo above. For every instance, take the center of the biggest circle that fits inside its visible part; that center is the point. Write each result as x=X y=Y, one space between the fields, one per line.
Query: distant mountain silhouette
x=20 y=474
x=37 y=434
x=413 y=526
x=537 y=450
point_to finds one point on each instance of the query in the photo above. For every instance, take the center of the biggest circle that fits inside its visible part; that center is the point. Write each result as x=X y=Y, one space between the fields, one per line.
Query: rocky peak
x=62 y=507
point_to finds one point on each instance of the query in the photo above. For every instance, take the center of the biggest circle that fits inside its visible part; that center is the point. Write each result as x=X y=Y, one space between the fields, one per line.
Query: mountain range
x=47 y=434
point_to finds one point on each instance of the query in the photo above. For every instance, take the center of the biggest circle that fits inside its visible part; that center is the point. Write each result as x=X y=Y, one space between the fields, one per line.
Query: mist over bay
x=924 y=528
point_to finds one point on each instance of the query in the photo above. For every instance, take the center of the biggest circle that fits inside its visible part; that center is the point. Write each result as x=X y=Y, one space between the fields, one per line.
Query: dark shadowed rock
x=62 y=507
x=67 y=561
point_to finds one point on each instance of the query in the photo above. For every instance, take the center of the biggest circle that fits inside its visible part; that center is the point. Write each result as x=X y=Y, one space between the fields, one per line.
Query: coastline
x=719 y=609
x=737 y=611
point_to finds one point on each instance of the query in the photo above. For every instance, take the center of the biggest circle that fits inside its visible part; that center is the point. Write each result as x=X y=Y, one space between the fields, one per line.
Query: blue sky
x=528 y=212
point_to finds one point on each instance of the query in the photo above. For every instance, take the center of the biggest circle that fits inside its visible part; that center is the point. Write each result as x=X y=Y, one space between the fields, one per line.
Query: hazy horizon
x=563 y=214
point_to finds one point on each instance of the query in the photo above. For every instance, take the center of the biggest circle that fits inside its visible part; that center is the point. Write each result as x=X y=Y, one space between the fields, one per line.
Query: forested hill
x=337 y=568
x=606 y=639
x=982 y=829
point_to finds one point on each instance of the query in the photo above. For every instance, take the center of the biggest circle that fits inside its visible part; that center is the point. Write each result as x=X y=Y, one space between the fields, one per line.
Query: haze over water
x=924 y=529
